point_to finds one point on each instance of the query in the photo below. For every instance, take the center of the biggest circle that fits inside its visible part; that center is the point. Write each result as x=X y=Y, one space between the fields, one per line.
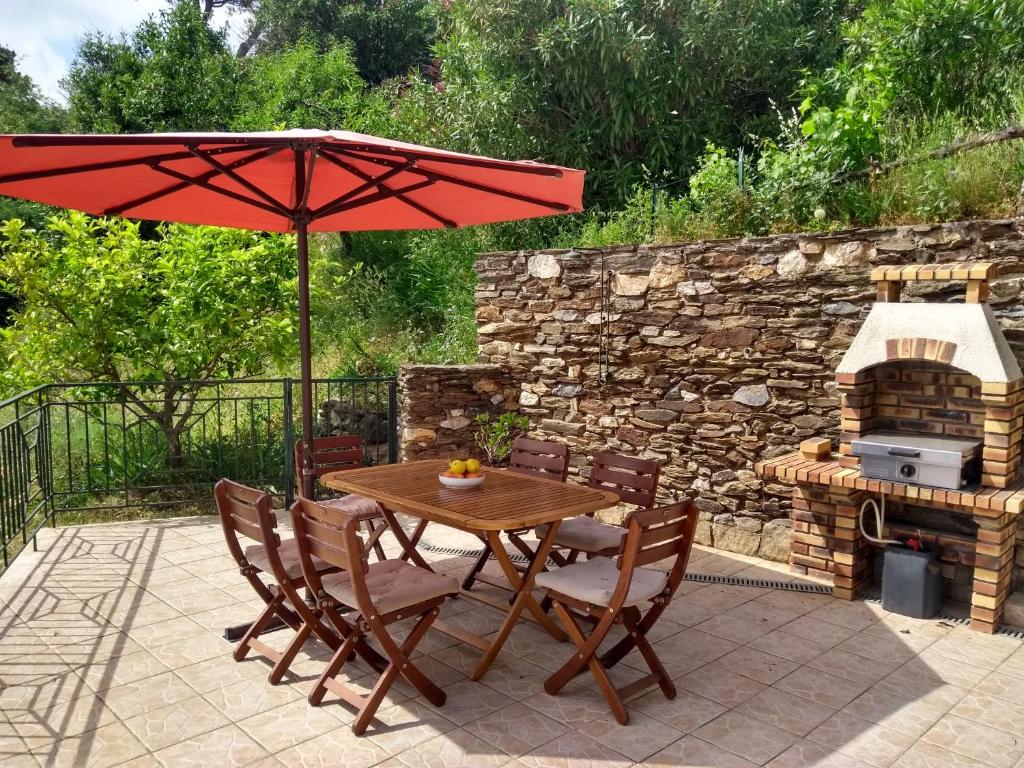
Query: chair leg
x=587 y=656
x=621 y=649
x=373 y=539
x=481 y=561
x=338 y=660
x=630 y=620
x=257 y=627
x=288 y=656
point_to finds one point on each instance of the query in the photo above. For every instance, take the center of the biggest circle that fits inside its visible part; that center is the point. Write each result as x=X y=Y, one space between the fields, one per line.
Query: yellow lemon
x=472 y=465
x=458 y=467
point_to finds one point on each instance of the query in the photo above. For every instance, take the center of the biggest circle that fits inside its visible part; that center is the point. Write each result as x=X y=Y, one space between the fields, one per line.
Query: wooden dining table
x=506 y=501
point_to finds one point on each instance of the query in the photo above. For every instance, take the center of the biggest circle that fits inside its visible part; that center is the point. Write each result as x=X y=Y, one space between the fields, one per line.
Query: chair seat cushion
x=593 y=582
x=354 y=505
x=256 y=554
x=393 y=585
x=586 y=534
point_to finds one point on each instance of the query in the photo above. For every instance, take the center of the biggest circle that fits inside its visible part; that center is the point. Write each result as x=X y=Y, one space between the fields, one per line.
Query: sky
x=45 y=33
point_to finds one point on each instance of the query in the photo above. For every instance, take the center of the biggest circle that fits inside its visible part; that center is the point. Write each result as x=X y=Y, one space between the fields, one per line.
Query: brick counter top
x=983 y=502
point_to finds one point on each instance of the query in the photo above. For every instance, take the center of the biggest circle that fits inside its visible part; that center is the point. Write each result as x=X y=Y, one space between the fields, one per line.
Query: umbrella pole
x=306 y=472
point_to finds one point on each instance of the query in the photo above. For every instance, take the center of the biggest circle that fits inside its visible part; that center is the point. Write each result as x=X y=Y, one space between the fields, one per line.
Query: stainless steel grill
x=939 y=462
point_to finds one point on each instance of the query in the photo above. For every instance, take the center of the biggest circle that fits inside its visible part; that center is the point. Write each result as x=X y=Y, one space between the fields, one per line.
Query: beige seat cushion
x=593 y=582
x=586 y=534
x=353 y=504
x=393 y=585
x=256 y=554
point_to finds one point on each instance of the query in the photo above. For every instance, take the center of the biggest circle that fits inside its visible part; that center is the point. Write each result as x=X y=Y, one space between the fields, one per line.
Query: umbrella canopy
x=284 y=181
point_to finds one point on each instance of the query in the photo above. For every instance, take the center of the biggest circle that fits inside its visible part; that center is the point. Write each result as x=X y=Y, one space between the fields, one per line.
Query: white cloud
x=45 y=34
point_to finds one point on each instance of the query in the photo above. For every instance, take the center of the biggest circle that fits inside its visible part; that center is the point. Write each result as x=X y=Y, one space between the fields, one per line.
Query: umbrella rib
x=475 y=162
x=200 y=182
x=106 y=165
x=400 y=193
x=121 y=208
x=376 y=197
x=442 y=176
x=302 y=205
x=219 y=167
x=328 y=208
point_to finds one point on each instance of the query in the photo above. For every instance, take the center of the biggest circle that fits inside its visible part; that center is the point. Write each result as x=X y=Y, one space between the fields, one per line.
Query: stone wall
x=717 y=353
x=437 y=405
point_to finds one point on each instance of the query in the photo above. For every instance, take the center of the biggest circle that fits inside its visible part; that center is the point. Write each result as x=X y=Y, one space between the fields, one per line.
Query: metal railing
x=114 y=445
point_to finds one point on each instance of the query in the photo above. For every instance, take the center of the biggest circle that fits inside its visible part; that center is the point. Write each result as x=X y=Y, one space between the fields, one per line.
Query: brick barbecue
x=919 y=369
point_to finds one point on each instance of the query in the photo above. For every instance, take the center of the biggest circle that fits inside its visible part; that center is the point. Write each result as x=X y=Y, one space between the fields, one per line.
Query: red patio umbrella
x=284 y=181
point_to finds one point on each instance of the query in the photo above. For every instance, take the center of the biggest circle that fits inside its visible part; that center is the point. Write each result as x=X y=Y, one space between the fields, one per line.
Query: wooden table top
x=984 y=501
x=505 y=501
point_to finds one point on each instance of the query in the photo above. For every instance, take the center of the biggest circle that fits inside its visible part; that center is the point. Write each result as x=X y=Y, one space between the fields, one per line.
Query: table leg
x=408 y=547
x=524 y=599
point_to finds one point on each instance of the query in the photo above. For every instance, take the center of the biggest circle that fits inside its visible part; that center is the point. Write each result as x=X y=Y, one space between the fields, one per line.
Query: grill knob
x=907 y=470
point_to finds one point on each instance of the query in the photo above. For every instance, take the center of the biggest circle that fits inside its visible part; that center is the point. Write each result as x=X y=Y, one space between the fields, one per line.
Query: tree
x=100 y=303
x=628 y=89
x=173 y=73
x=303 y=88
x=23 y=109
x=389 y=37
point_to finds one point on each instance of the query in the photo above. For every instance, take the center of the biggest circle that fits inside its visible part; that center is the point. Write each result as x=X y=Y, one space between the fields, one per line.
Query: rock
x=656 y=415
x=694 y=288
x=734 y=537
x=562 y=427
x=419 y=435
x=775 y=538
x=666 y=275
x=793 y=264
x=754 y=395
x=529 y=399
x=730 y=338
x=544 y=266
x=840 y=308
x=567 y=390
x=811 y=247
x=630 y=285
x=848 y=254
x=756 y=272
x=456 y=422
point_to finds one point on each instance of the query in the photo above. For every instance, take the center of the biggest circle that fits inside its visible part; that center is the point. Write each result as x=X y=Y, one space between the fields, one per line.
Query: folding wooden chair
x=383 y=593
x=613 y=591
x=634 y=480
x=336 y=454
x=247 y=512
x=537 y=458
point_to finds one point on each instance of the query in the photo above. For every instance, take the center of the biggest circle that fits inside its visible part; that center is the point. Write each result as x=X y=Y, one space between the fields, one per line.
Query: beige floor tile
x=468 y=700
x=822 y=632
x=793 y=602
x=64 y=720
x=912 y=717
x=191 y=649
x=807 y=754
x=785 y=710
x=109 y=673
x=686 y=712
x=861 y=739
x=152 y=635
x=856 y=615
x=764 y=667
x=982 y=742
x=972 y=648
x=97 y=649
x=909 y=684
x=1002 y=686
x=250 y=697
x=738 y=629
x=1014 y=664
x=517 y=680
x=574 y=706
x=110 y=745
x=406 y=725
x=726 y=688
x=789 y=646
x=925 y=755
x=852 y=666
x=331 y=748
x=574 y=750
x=688 y=614
x=146 y=695
x=290 y=724
x=751 y=739
x=691 y=752
x=699 y=645
x=875 y=647
x=225 y=747
x=957 y=672
x=517 y=729
x=640 y=739
x=988 y=710
x=176 y=722
x=455 y=749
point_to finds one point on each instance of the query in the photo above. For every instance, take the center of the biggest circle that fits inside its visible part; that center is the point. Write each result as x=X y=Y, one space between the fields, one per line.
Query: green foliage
x=102 y=303
x=620 y=87
x=23 y=109
x=389 y=37
x=172 y=73
x=303 y=88
x=495 y=436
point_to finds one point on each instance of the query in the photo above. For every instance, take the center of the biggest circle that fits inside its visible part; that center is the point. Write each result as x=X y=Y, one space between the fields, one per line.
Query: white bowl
x=461 y=482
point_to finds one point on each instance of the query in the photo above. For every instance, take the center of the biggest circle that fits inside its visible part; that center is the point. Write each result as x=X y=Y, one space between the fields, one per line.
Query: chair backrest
x=322 y=533
x=655 y=534
x=540 y=458
x=247 y=512
x=634 y=480
x=332 y=454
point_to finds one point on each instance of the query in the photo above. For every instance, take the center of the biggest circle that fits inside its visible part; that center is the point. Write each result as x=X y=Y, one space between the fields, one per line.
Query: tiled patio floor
x=111 y=654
